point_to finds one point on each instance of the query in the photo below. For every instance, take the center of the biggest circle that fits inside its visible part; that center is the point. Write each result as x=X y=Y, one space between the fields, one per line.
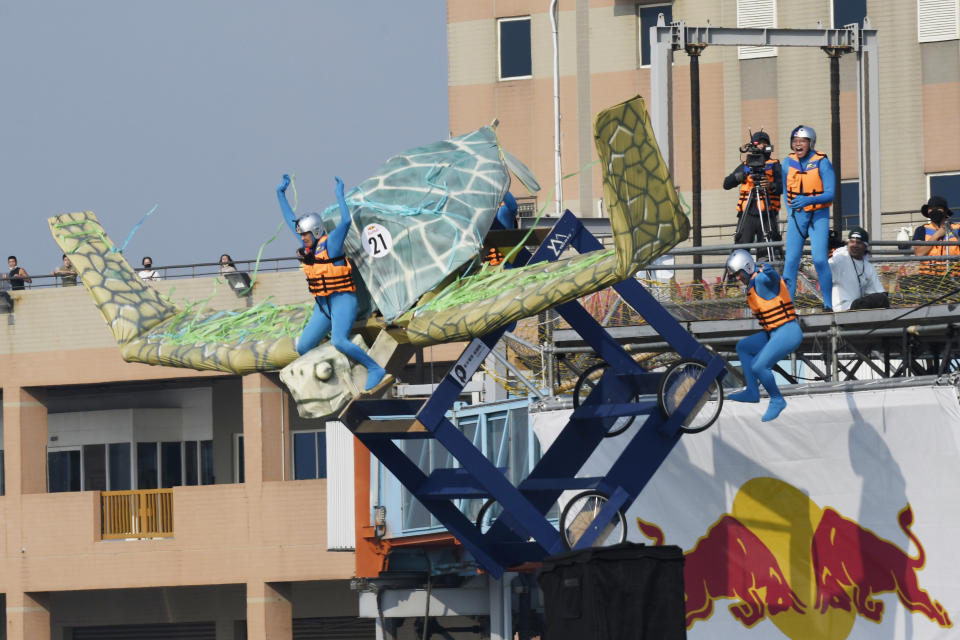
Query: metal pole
x=834 y=53
x=557 y=167
x=694 y=50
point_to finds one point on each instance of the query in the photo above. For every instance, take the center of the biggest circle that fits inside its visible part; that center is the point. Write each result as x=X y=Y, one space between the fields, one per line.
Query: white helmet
x=741 y=260
x=803 y=131
x=310 y=223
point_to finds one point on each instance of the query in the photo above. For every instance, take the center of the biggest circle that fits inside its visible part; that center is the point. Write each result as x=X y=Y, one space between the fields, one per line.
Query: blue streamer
x=133 y=231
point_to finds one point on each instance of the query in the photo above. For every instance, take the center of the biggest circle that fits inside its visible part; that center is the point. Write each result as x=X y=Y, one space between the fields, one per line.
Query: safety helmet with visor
x=741 y=260
x=311 y=223
x=803 y=131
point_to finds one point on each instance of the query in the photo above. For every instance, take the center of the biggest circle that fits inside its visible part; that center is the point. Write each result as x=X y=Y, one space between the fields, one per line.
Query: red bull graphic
x=809 y=571
x=852 y=564
x=748 y=572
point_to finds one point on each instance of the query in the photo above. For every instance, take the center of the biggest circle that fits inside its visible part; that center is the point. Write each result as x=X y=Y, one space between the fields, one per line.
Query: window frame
x=238 y=458
x=954 y=35
x=954 y=206
x=833 y=14
x=845 y=215
x=319 y=435
x=755 y=52
x=79 y=449
x=646 y=29
x=500 y=21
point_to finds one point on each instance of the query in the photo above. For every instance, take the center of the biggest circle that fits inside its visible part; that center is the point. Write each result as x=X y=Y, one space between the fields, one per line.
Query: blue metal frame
x=522 y=533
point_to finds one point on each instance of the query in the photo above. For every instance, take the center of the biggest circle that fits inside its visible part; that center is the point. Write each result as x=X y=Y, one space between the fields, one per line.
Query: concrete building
x=501 y=67
x=152 y=502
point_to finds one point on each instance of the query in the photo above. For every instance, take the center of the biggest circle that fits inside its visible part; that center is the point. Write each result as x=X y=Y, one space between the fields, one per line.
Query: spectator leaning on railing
x=66 y=272
x=17 y=276
x=148 y=272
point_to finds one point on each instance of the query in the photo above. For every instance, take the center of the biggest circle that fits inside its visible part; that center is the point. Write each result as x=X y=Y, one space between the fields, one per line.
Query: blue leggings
x=761 y=351
x=334 y=315
x=816 y=224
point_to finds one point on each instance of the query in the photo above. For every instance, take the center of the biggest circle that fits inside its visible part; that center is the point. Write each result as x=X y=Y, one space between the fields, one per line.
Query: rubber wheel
x=585 y=384
x=488 y=514
x=677 y=380
x=579 y=514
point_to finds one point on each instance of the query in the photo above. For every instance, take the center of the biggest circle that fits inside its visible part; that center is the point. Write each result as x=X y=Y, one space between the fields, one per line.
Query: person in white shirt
x=148 y=272
x=855 y=281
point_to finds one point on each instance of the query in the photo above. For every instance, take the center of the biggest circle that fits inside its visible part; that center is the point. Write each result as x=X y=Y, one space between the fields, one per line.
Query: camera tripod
x=761 y=198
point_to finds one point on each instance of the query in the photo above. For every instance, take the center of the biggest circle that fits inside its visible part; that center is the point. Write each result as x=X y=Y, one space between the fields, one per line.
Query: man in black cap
x=939 y=229
x=750 y=227
x=856 y=284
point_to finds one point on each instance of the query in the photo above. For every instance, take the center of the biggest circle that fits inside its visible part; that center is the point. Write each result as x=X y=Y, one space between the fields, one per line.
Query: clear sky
x=199 y=107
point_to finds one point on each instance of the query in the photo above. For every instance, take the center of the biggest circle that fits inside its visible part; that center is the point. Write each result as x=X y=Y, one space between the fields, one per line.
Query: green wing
x=645 y=218
x=152 y=330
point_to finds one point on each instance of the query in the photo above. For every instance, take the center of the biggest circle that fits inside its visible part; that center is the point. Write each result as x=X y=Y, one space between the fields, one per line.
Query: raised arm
x=288 y=213
x=336 y=237
x=767 y=281
x=507 y=213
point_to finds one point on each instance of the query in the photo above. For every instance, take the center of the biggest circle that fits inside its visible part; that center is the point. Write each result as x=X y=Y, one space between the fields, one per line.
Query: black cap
x=859 y=233
x=760 y=135
x=935 y=202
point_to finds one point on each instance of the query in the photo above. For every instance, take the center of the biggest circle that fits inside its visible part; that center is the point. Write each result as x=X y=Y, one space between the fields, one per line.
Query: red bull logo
x=852 y=564
x=810 y=571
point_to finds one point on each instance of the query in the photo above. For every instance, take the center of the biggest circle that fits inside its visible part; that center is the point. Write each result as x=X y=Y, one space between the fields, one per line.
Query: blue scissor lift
x=522 y=533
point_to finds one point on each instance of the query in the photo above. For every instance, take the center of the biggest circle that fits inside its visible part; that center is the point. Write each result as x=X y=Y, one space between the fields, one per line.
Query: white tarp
x=838 y=520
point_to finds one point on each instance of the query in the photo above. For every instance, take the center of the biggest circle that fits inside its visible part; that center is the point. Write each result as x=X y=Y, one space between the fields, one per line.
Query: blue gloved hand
x=284 y=183
x=801 y=201
x=338 y=190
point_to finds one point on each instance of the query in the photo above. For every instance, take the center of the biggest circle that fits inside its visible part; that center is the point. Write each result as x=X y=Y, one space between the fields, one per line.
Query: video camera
x=757 y=154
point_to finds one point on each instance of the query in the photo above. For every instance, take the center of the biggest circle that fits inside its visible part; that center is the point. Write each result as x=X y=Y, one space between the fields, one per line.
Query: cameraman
x=765 y=173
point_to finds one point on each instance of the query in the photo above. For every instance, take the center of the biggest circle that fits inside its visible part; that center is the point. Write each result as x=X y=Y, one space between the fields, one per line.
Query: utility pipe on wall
x=557 y=168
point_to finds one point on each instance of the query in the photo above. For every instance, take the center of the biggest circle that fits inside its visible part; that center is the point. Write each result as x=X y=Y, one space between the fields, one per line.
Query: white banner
x=838 y=520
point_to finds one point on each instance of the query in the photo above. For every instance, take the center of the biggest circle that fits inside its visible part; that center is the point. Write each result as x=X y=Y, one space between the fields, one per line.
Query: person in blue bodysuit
x=771 y=303
x=329 y=278
x=809 y=183
x=506 y=219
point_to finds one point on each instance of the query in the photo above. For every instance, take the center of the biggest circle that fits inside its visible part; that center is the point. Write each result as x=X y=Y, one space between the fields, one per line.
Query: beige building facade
x=146 y=502
x=604 y=59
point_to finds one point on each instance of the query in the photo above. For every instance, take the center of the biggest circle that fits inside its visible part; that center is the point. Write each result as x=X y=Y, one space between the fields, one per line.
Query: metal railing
x=178 y=271
x=142 y=513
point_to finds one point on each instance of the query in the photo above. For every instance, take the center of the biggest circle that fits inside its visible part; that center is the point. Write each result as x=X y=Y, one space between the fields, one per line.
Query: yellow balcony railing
x=145 y=513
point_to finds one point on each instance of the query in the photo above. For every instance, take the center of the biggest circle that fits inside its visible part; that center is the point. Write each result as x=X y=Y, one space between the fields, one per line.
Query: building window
x=513 y=35
x=648 y=18
x=756 y=14
x=309 y=455
x=938 y=20
x=64 y=470
x=947 y=186
x=118 y=458
x=503 y=436
x=94 y=467
x=147 y=465
x=848 y=12
x=238 y=463
x=850 y=195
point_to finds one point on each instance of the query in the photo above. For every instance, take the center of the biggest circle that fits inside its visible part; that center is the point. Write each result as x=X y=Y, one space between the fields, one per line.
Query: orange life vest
x=939 y=267
x=748 y=184
x=772 y=313
x=493 y=256
x=804 y=179
x=323 y=276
